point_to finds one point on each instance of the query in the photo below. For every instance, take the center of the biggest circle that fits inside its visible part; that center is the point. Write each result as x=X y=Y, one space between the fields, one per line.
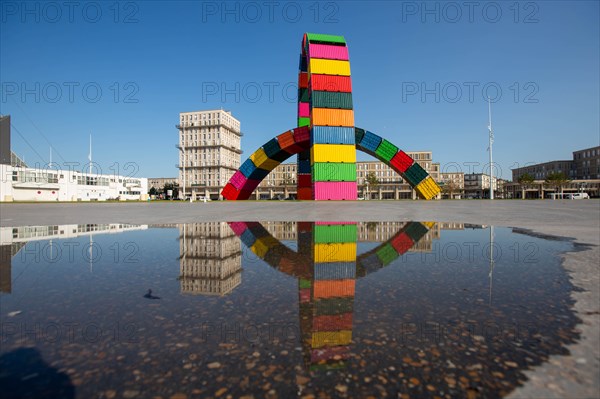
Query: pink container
x=238 y=180
x=344 y=190
x=238 y=227
x=303 y=110
x=328 y=52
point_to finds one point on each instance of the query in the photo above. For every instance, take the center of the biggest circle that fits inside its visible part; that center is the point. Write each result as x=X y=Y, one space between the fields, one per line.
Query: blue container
x=247 y=168
x=370 y=142
x=371 y=263
x=332 y=135
x=335 y=270
x=304 y=166
x=248 y=238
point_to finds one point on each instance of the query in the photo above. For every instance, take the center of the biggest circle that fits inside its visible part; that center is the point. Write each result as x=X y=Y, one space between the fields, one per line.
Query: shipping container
x=401 y=162
x=331 y=338
x=333 y=288
x=304 y=166
x=335 y=270
x=324 y=38
x=274 y=151
x=259 y=248
x=386 y=150
x=230 y=192
x=303 y=121
x=302 y=134
x=287 y=143
x=238 y=180
x=333 y=153
x=416 y=231
x=303 y=96
x=303 y=110
x=402 y=243
x=415 y=174
x=303 y=80
x=238 y=228
x=330 y=83
x=335 y=233
x=328 y=51
x=335 y=252
x=331 y=99
x=370 y=263
x=335 y=191
x=358 y=134
x=427 y=189
x=333 y=305
x=305 y=295
x=329 y=67
x=335 y=172
x=332 y=117
x=386 y=254
x=332 y=135
x=261 y=160
x=332 y=322
x=304 y=180
x=248 y=238
x=370 y=142
x=303 y=283
x=304 y=193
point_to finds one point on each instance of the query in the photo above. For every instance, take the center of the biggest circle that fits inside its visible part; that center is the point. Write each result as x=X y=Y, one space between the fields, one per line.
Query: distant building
x=452 y=184
x=5 y=154
x=159 y=182
x=583 y=173
x=477 y=185
x=209 y=152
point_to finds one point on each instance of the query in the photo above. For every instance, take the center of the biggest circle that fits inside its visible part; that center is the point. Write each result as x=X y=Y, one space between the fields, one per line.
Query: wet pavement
x=280 y=309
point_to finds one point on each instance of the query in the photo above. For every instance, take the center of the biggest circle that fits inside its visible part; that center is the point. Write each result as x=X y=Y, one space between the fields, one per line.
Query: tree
x=557 y=180
x=372 y=182
x=171 y=186
x=525 y=181
x=449 y=187
x=153 y=191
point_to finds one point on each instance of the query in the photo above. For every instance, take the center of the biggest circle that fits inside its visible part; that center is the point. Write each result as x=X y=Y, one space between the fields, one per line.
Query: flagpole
x=491 y=139
x=90 y=155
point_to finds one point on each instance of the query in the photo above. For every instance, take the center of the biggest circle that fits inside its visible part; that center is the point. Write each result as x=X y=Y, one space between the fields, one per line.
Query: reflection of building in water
x=210 y=259
x=12 y=239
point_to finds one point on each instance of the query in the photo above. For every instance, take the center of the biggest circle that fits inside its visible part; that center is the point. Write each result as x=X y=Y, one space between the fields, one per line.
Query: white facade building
x=30 y=184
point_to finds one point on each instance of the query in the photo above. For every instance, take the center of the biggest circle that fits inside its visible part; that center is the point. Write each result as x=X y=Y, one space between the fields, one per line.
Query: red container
x=238 y=227
x=333 y=322
x=303 y=80
x=287 y=143
x=327 y=353
x=304 y=180
x=401 y=162
x=331 y=83
x=244 y=194
x=304 y=193
x=302 y=134
x=304 y=227
x=335 y=190
x=328 y=52
x=402 y=243
x=230 y=192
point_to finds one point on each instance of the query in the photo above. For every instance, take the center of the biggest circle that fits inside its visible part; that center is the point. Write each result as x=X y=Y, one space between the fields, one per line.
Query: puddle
x=278 y=309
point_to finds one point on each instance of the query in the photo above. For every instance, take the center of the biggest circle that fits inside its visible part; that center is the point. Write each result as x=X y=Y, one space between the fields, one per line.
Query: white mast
x=50 y=165
x=491 y=274
x=90 y=155
x=491 y=138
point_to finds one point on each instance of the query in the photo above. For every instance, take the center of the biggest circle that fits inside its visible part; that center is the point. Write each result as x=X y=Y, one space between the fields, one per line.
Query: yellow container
x=259 y=248
x=332 y=117
x=335 y=252
x=331 y=338
x=261 y=160
x=329 y=67
x=429 y=224
x=268 y=241
x=427 y=189
x=333 y=153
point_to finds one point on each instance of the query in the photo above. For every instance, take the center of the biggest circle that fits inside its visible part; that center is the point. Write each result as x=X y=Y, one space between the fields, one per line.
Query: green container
x=334 y=171
x=330 y=99
x=303 y=95
x=415 y=174
x=335 y=233
x=323 y=38
x=359 y=134
x=387 y=254
x=303 y=122
x=386 y=150
x=304 y=283
x=332 y=306
x=416 y=231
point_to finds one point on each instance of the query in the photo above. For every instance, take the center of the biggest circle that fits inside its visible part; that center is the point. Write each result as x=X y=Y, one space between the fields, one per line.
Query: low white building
x=30 y=184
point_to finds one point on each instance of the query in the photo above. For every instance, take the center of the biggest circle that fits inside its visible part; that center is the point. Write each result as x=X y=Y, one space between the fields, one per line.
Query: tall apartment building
x=209 y=152
x=587 y=163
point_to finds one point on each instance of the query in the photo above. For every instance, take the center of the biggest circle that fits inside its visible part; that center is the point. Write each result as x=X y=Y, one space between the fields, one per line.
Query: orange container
x=333 y=288
x=287 y=143
x=332 y=117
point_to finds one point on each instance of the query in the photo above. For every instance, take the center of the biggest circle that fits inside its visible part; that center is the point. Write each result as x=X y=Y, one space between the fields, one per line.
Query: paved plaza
x=575 y=375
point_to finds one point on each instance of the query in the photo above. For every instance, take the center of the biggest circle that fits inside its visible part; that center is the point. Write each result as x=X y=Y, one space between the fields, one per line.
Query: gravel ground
x=573 y=376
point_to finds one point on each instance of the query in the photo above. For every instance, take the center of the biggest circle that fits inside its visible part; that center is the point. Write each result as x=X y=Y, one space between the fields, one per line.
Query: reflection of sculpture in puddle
x=327 y=267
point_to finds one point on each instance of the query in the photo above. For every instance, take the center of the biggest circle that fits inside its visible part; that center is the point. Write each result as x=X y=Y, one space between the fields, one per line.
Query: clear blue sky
x=152 y=60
